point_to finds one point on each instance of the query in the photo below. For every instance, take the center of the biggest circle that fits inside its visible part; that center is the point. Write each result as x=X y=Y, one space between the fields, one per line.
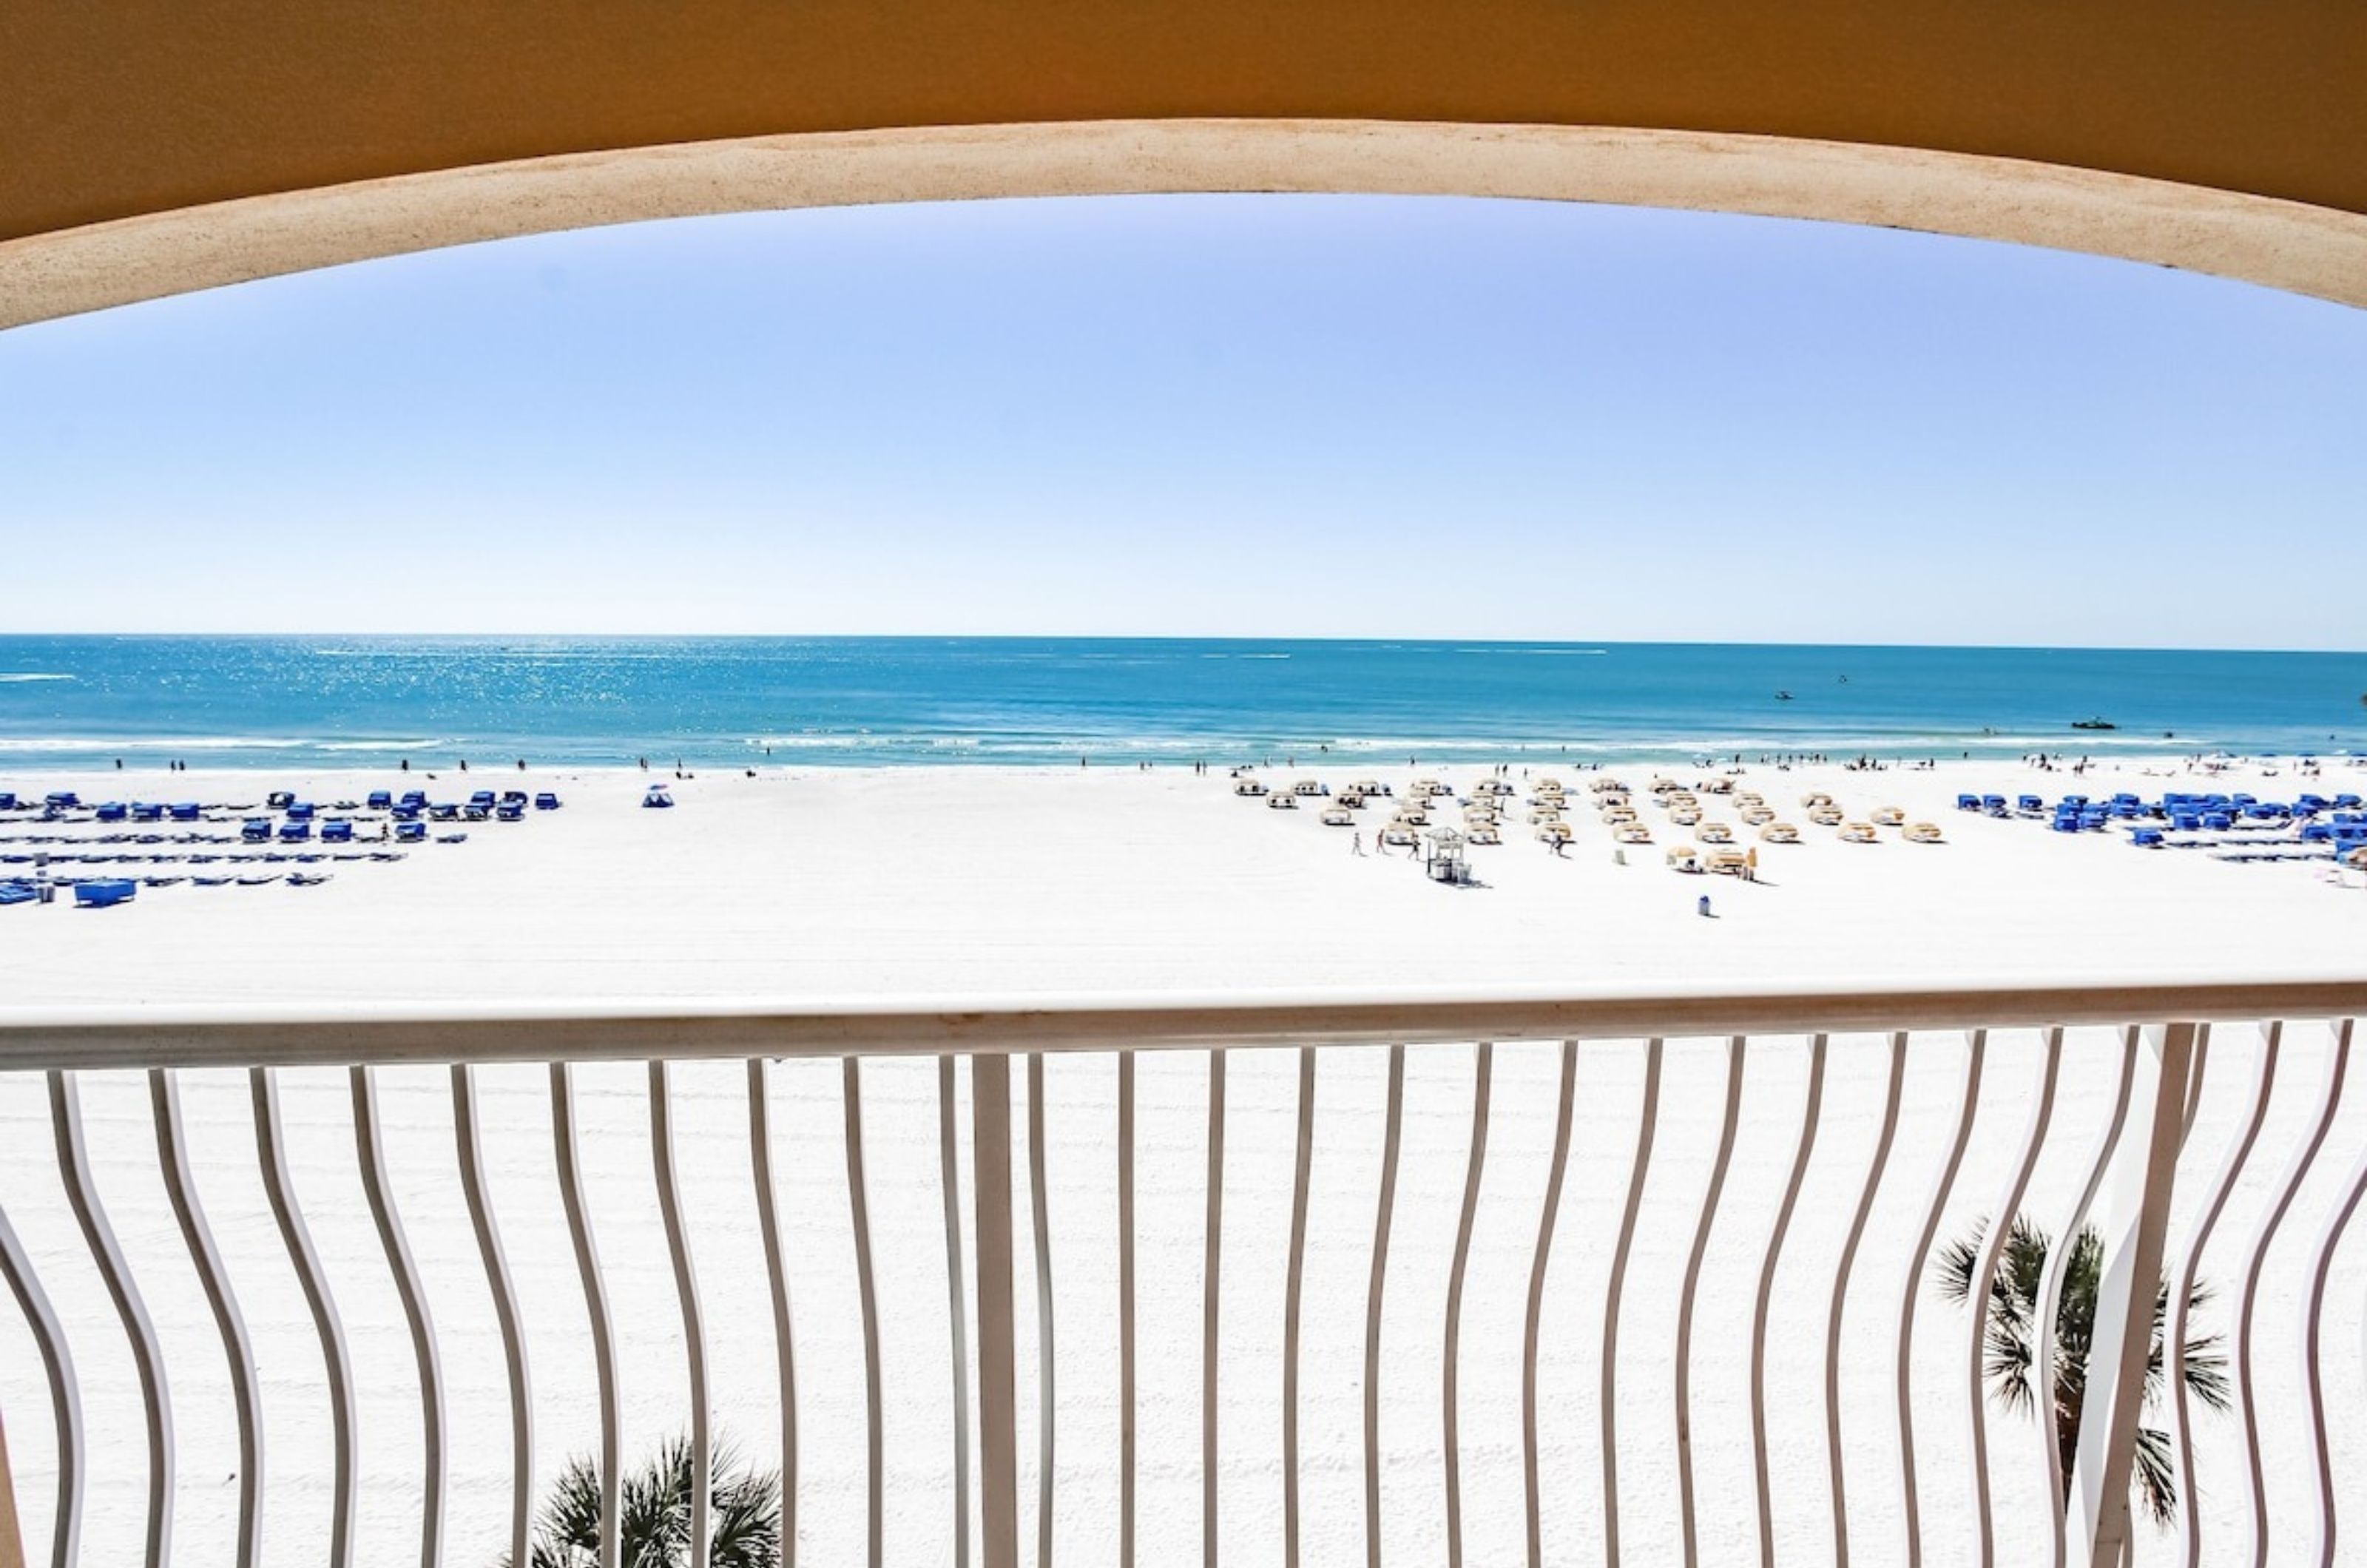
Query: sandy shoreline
x=964 y=881
x=974 y=882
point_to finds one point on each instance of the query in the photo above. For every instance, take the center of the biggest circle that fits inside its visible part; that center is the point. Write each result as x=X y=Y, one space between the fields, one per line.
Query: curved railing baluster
x=2329 y=1096
x=1614 y=1292
x=1842 y=1272
x=2182 y=1293
x=1482 y=1072
x=595 y=1305
x=1802 y=1150
x=1293 y=1296
x=1125 y=1439
x=1975 y=1055
x=1548 y=1212
x=1384 y=1211
x=949 y=1188
x=180 y=1189
x=1041 y=1210
x=65 y=1392
x=1993 y=1246
x=2057 y=1266
x=874 y=1422
x=686 y=1286
x=370 y=1149
x=271 y=1154
x=2194 y=1081
x=2313 y=1316
x=147 y=1355
x=1702 y=1228
x=468 y=1136
x=1210 y=1301
x=768 y=1224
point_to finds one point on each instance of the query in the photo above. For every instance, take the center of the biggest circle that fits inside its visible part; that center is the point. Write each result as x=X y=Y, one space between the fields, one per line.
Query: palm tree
x=2012 y=1344
x=745 y=1513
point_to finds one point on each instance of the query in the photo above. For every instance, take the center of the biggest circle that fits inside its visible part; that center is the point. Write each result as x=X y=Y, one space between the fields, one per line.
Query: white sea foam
x=412 y=745
x=9 y=677
x=60 y=743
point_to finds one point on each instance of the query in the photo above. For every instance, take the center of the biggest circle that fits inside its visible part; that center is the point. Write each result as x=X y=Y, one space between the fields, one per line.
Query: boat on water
x=1782 y=697
x=2093 y=723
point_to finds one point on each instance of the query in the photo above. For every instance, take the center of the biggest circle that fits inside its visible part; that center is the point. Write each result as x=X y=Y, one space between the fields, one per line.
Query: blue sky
x=1204 y=415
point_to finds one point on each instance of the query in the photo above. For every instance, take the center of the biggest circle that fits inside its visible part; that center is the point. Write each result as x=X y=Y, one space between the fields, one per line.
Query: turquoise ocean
x=368 y=702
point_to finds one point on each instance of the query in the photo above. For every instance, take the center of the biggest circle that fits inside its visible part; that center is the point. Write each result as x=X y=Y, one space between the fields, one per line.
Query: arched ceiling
x=152 y=146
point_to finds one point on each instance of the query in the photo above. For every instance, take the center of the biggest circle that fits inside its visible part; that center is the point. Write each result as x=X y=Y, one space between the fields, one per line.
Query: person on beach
x=1703 y=907
x=1357 y=844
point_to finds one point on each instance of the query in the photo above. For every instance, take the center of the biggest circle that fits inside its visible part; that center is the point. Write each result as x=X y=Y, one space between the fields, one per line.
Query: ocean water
x=284 y=702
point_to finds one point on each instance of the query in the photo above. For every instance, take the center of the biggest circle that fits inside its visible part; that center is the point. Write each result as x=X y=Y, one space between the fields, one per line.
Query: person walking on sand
x=1357 y=844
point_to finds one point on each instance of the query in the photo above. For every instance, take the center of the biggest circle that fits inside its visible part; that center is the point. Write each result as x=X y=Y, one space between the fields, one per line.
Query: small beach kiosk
x=1443 y=858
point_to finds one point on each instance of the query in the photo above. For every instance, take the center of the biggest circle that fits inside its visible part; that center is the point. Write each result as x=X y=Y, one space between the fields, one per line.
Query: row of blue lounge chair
x=2171 y=805
x=105 y=892
x=193 y=811
x=2182 y=812
x=302 y=856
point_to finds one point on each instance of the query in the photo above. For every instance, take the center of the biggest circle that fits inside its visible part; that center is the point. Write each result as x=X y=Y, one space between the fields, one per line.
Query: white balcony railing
x=1580 y=1277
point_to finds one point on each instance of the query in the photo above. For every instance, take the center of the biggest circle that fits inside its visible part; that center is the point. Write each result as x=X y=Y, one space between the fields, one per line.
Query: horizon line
x=1492 y=641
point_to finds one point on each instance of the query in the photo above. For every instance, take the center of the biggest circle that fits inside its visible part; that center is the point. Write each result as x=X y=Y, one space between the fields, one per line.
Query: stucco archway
x=155 y=146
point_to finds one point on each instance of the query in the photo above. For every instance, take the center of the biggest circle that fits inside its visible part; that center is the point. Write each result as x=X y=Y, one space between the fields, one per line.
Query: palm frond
x=654 y=1513
x=2152 y=1478
x=2010 y=1343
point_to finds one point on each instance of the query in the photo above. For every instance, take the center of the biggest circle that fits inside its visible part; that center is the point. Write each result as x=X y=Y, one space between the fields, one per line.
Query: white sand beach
x=969 y=881
x=974 y=883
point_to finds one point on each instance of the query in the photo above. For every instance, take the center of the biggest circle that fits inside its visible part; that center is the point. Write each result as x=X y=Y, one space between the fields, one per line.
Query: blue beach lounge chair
x=100 y=895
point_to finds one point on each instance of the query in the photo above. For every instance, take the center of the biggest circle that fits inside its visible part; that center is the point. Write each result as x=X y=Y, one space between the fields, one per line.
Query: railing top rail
x=321 y=1033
